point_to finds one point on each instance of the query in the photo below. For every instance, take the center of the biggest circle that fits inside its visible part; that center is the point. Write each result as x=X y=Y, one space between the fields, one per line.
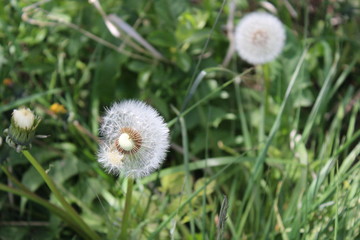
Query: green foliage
x=280 y=141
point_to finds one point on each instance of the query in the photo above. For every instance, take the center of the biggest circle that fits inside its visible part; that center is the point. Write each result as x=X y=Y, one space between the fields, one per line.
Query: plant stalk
x=125 y=220
x=59 y=197
x=55 y=209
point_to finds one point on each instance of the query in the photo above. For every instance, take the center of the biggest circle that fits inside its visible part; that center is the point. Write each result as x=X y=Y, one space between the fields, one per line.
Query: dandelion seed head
x=259 y=37
x=135 y=139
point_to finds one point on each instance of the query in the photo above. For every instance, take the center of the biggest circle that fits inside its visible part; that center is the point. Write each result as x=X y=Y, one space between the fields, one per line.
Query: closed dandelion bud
x=259 y=37
x=57 y=108
x=22 y=128
x=135 y=139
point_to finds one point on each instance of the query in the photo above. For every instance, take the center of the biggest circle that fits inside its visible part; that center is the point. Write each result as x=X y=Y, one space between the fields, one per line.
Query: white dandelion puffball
x=259 y=37
x=135 y=139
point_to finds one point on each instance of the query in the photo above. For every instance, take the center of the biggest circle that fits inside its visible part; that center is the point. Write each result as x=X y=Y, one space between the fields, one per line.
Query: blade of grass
x=341 y=174
x=91 y=234
x=204 y=229
x=321 y=100
x=199 y=79
x=210 y=162
x=204 y=99
x=222 y=219
x=262 y=156
x=243 y=122
x=51 y=207
x=28 y=99
x=203 y=52
x=155 y=234
x=279 y=220
x=187 y=179
x=342 y=78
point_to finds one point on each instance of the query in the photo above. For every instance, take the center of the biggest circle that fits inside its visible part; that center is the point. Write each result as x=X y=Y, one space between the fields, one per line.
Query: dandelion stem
x=67 y=207
x=125 y=220
x=267 y=82
x=262 y=72
x=243 y=121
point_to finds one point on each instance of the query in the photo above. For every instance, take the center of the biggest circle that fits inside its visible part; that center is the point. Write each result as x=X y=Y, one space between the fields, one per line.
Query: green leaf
x=33 y=181
x=162 y=38
x=183 y=61
x=62 y=170
x=210 y=188
x=173 y=183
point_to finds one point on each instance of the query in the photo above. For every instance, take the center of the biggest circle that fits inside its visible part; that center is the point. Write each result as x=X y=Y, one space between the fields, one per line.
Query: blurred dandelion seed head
x=135 y=139
x=259 y=37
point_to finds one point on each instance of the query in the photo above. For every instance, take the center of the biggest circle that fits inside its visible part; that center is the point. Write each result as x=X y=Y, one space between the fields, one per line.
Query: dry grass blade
x=222 y=218
x=113 y=30
x=121 y=24
x=27 y=16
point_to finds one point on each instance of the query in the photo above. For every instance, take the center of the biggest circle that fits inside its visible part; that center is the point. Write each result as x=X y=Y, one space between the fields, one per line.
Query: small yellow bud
x=57 y=108
x=8 y=82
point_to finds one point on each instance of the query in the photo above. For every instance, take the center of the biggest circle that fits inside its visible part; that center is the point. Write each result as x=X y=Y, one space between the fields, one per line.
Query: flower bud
x=22 y=128
x=57 y=108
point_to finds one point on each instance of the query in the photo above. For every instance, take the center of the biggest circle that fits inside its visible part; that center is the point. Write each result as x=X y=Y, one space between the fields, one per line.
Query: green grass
x=248 y=160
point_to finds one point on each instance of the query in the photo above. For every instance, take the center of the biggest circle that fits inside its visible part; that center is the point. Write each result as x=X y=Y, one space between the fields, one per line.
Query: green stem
x=91 y=234
x=125 y=220
x=243 y=122
x=14 y=180
x=255 y=173
x=262 y=72
x=267 y=82
x=261 y=132
x=56 y=210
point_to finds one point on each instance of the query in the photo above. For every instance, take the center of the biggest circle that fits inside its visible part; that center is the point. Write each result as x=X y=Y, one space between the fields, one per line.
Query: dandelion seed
x=259 y=37
x=135 y=139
